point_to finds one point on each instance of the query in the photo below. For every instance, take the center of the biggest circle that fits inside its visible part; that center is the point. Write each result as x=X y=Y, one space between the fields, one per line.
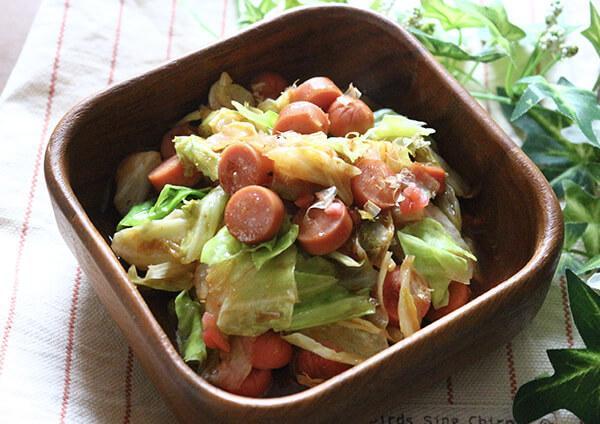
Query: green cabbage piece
x=170 y=198
x=194 y=151
x=166 y=276
x=255 y=300
x=206 y=216
x=263 y=120
x=323 y=300
x=189 y=328
x=391 y=127
x=438 y=258
x=224 y=246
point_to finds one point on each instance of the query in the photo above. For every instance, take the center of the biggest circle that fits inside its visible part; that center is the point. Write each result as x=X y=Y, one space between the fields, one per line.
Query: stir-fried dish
x=296 y=227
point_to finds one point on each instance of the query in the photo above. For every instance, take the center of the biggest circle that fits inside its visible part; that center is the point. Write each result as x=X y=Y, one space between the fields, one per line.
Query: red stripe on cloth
x=113 y=61
x=69 y=349
x=128 y=386
x=512 y=374
x=171 y=26
x=566 y=313
x=450 y=391
x=24 y=230
x=224 y=18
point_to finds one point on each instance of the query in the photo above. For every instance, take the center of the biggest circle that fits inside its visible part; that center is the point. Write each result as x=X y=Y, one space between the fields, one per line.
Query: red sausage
x=256 y=384
x=241 y=165
x=302 y=117
x=320 y=91
x=172 y=171
x=459 y=296
x=371 y=184
x=167 y=148
x=254 y=214
x=324 y=231
x=415 y=200
x=270 y=351
x=347 y=114
x=268 y=85
x=391 y=297
x=423 y=172
x=213 y=337
x=317 y=367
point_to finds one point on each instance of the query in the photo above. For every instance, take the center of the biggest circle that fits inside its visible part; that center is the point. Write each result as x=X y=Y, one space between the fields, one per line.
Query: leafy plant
x=558 y=126
x=574 y=385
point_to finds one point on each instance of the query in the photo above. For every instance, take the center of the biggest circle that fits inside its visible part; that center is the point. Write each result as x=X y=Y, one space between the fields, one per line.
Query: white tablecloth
x=62 y=359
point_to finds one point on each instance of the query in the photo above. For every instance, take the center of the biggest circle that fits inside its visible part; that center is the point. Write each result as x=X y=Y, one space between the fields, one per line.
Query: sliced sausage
x=320 y=91
x=256 y=384
x=242 y=165
x=167 y=148
x=302 y=117
x=347 y=114
x=391 y=296
x=323 y=231
x=172 y=171
x=425 y=173
x=317 y=367
x=270 y=351
x=371 y=184
x=254 y=214
x=268 y=85
x=459 y=294
x=293 y=188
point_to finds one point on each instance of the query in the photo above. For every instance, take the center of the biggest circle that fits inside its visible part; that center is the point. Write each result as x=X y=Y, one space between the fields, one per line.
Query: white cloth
x=62 y=359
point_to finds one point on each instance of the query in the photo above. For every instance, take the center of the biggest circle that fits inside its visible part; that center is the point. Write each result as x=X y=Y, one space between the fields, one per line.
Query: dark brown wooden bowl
x=517 y=220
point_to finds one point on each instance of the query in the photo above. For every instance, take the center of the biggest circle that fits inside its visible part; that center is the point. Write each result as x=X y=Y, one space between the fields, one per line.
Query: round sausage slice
x=167 y=148
x=172 y=171
x=371 y=184
x=254 y=214
x=302 y=117
x=242 y=165
x=268 y=85
x=323 y=231
x=318 y=90
x=459 y=293
x=317 y=367
x=256 y=384
x=347 y=114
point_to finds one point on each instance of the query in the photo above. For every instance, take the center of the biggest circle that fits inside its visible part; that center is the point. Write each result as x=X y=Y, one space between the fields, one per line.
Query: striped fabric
x=61 y=357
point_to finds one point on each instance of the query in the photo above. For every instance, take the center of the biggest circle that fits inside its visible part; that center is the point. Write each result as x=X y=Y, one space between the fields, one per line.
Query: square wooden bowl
x=518 y=231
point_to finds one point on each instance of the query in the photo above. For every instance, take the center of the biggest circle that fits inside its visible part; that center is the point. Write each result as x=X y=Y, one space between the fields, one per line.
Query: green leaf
x=569 y=260
x=592 y=33
x=263 y=120
x=591 y=265
x=255 y=299
x=573 y=232
x=169 y=199
x=583 y=208
x=577 y=104
x=224 y=246
x=189 y=328
x=448 y=16
x=194 y=152
x=575 y=383
x=439 y=47
x=437 y=257
x=494 y=17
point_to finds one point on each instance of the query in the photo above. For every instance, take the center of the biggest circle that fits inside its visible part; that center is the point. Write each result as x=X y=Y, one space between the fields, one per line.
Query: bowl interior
x=390 y=71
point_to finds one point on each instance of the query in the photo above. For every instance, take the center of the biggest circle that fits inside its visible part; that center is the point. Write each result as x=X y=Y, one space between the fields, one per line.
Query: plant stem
x=494 y=97
x=550 y=64
x=508 y=78
x=550 y=129
x=469 y=76
x=533 y=61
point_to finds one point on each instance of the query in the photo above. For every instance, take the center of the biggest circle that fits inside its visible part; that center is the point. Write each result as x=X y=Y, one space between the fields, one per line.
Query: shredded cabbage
x=306 y=343
x=438 y=258
x=205 y=216
x=170 y=198
x=131 y=179
x=412 y=287
x=189 y=328
x=217 y=120
x=167 y=276
x=224 y=246
x=396 y=126
x=194 y=151
x=224 y=91
x=152 y=242
x=254 y=300
x=264 y=120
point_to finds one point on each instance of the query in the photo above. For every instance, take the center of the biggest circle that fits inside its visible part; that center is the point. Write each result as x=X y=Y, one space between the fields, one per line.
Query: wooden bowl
x=516 y=218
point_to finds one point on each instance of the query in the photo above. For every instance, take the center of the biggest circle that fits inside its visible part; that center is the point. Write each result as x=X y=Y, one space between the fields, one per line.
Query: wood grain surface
x=516 y=220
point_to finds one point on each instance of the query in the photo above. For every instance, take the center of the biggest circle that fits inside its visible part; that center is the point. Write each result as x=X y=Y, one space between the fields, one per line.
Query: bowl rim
x=549 y=229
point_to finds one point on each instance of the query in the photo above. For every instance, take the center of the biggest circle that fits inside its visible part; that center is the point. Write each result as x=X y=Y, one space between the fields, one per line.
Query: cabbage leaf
x=438 y=258
x=189 y=328
x=264 y=120
x=167 y=276
x=194 y=152
x=206 y=216
x=395 y=126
